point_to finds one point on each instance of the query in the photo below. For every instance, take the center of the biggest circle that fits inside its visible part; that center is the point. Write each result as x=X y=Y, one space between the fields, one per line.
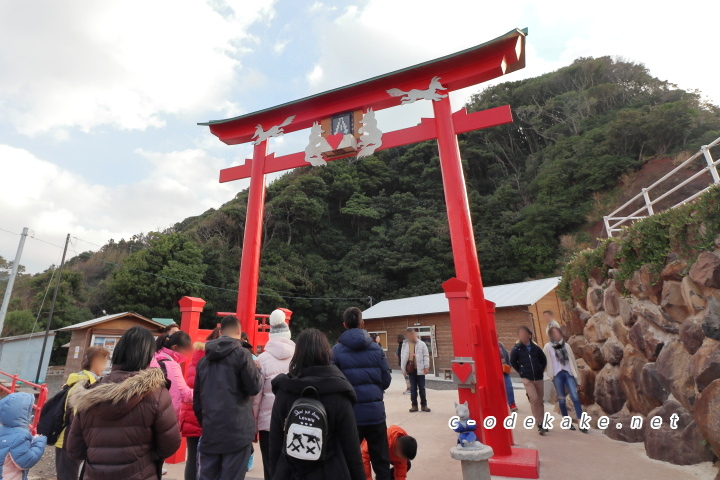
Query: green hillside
x=377 y=227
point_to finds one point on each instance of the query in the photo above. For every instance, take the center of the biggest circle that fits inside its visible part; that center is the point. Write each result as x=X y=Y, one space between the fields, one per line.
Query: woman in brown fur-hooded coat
x=125 y=425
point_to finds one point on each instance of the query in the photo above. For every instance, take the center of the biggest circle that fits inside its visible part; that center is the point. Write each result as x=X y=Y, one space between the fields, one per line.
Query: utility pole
x=52 y=309
x=11 y=280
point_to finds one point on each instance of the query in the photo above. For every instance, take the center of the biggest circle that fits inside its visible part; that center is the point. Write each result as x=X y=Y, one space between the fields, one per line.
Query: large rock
x=691 y=334
x=673 y=303
x=692 y=295
x=673 y=271
x=706 y=270
x=711 y=320
x=586 y=383
x=620 y=330
x=611 y=299
x=626 y=312
x=620 y=430
x=656 y=315
x=645 y=284
x=648 y=339
x=631 y=370
x=577 y=317
x=577 y=288
x=706 y=415
x=608 y=391
x=592 y=354
x=598 y=328
x=651 y=385
x=595 y=411
x=674 y=365
x=611 y=252
x=683 y=445
x=612 y=351
x=706 y=364
x=594 y=299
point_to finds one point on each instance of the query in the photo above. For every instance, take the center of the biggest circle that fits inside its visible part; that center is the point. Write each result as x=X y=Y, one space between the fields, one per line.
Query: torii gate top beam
x=469 y=67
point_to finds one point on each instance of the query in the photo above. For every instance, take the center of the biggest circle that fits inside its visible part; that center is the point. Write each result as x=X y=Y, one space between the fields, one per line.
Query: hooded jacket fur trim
x=133 y=388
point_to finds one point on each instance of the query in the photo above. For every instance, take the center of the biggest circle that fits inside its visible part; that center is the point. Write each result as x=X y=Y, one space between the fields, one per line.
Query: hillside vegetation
x=378 y=228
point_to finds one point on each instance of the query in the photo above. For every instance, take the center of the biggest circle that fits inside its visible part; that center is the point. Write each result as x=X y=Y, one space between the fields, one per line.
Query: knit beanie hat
x=278 y=326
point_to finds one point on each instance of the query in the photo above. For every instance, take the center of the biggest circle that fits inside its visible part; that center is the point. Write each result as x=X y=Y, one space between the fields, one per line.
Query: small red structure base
x=523 y=463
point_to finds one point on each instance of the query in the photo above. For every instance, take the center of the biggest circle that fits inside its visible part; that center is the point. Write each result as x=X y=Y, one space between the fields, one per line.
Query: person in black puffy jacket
x=529 y=360
x=364 y=364
x=311 y=366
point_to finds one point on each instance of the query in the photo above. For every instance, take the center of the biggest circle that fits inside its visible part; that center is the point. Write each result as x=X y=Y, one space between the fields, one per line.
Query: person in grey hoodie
x=273 y=361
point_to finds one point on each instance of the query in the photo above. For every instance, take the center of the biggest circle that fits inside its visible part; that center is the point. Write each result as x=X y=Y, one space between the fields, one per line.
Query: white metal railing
x=616 y=219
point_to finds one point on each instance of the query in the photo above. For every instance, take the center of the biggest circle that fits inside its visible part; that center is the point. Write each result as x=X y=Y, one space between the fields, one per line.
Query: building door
x=427 y=335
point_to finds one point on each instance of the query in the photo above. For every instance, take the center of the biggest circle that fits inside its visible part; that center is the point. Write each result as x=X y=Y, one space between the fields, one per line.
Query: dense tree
x=377 y=227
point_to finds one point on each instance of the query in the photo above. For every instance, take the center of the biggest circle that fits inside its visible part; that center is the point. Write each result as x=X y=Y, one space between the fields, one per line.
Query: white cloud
x=316 y=75
x=52 y=201
x=279 y=46
x=123 y=63
x=382 y=36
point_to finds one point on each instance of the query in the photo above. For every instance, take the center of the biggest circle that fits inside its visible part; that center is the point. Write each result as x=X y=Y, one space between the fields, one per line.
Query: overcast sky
x=99 y=100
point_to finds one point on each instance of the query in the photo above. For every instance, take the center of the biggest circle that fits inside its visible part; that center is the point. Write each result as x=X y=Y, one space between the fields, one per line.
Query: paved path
x=564 y=455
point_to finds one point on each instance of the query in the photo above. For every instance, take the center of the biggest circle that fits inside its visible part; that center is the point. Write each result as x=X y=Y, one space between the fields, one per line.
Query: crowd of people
x=316 y=411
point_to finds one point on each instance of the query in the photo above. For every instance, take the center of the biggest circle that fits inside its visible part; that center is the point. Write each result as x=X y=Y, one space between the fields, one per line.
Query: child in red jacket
x=403 y=448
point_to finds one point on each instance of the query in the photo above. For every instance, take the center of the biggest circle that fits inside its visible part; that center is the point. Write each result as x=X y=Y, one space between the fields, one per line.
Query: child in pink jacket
x=274 y=360
x=172 y=351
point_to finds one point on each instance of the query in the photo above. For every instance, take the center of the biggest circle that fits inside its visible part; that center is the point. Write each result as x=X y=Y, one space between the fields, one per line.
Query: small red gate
x=41 y=394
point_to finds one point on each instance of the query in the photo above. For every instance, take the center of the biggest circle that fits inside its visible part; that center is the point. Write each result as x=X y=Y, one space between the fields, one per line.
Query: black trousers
x=417 y=382
x=191 y=459
x=376 y=436
x=228 y=466
x=265 y=452
x=65 y=467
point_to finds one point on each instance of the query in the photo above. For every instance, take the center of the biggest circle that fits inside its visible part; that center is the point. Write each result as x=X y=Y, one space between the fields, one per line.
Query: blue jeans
x=561 y=380
x=509 y=389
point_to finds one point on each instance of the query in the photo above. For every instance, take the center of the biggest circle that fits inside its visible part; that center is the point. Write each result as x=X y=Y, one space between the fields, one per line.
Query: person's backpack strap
x=163 y=367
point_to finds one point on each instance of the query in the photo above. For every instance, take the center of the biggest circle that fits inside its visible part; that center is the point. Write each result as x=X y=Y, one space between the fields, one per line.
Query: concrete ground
x=564 y=455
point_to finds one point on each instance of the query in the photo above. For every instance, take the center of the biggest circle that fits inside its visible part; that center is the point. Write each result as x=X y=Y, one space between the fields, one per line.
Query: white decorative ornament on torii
x=274 y=131
x=317 y=144
x=370 y=135
x=415 y=94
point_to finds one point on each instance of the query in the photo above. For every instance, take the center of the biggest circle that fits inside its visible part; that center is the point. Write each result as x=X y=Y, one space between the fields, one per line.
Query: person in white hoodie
x=274 y=360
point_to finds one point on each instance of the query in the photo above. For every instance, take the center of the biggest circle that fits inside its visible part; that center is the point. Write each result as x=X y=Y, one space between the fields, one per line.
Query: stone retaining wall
x=650 y=346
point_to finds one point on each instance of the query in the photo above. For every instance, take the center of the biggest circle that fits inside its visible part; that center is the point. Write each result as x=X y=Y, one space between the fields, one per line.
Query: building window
x=383 y=339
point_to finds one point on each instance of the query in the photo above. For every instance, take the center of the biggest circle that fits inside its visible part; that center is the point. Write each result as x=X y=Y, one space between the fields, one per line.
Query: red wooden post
x=489 y=398
x=190 y=310
x=252 y=243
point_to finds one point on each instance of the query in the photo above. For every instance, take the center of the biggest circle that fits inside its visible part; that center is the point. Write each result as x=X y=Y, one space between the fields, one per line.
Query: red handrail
x=40 y=399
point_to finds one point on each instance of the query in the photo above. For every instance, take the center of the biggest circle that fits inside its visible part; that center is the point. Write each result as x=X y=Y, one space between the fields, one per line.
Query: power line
x=90 y=255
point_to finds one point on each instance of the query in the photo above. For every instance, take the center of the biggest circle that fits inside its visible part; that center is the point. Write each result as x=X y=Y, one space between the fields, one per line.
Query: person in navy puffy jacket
x=363 y=363
x=19 y=450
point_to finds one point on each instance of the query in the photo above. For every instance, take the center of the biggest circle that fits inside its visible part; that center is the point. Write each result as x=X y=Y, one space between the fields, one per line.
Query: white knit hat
x=278 y=325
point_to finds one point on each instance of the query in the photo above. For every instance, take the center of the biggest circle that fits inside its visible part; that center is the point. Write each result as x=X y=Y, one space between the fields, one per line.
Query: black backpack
x=52 y=419
x=306 y=428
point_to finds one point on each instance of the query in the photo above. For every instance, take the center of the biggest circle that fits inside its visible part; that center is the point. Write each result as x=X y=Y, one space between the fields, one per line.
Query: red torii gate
x=477 y=362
